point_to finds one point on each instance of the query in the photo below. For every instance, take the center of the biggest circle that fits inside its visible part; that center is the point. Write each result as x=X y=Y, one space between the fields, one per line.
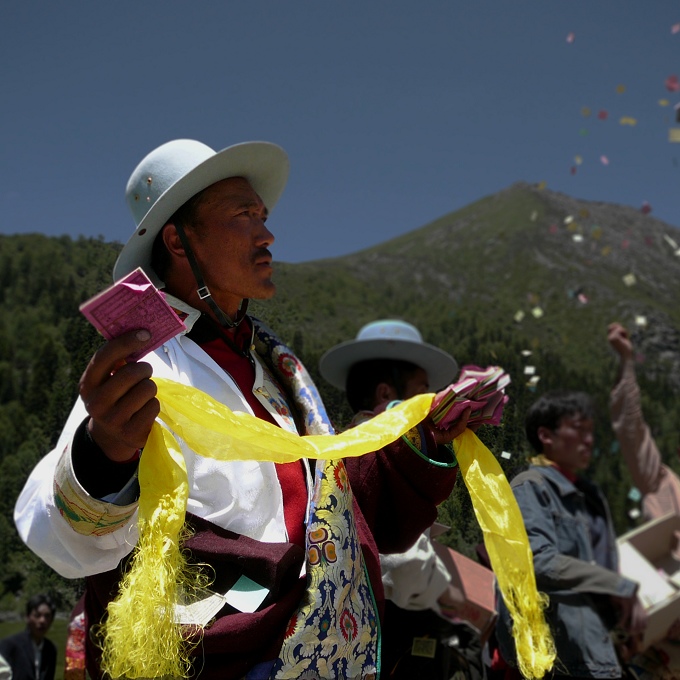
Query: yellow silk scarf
x=140 y=638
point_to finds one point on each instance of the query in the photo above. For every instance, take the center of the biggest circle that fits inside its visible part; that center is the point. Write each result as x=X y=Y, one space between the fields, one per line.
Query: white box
x=648 y=556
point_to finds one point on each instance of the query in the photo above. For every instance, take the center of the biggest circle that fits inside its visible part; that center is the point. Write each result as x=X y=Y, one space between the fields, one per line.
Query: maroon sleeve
x=398 y=491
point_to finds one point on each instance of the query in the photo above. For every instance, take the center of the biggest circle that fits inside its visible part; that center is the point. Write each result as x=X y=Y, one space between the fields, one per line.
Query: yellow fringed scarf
x=140 y=638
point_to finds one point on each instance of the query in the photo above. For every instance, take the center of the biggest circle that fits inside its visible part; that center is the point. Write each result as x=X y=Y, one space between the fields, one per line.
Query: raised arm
x=637 y=445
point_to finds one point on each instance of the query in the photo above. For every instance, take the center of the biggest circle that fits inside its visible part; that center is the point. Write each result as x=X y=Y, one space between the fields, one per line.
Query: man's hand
x=619 y=340
x=456 y=428
x=120 y=397
x=632 y=620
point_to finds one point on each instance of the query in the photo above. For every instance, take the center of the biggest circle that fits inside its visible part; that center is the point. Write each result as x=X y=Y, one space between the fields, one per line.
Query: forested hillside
x=474 y=282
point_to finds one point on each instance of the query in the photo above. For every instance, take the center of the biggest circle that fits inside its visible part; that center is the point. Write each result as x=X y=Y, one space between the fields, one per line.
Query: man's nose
x=264 y=237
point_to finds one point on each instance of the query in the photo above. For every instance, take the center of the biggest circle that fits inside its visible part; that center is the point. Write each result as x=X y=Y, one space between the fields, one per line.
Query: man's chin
x=265 y=292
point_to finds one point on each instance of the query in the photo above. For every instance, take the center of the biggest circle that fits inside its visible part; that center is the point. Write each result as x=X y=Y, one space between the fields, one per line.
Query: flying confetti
x=645 y=209
x=627 y=120
x=673 y=84
x=570 y=38
x=602 y=115
x=604 y=160
x=620 y=89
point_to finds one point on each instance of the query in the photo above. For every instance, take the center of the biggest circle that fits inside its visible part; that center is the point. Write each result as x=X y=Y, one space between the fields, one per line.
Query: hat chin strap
x=203 y=291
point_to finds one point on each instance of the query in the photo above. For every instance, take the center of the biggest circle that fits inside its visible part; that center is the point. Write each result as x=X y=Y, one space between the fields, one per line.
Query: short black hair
x=185 y=216
x=364 y=376
x=551 y=408
x=40 y=599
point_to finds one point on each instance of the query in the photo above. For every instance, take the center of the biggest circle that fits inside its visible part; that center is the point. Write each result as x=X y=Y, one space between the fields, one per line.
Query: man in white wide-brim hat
x=294 y=553
x=386 y=362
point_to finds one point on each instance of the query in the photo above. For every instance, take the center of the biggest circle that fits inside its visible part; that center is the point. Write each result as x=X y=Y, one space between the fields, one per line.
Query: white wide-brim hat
x=388 y=339
x=175 y=172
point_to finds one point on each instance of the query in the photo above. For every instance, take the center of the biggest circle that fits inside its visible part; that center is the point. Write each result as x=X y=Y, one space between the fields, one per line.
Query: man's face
x=570 y=444
x=39 y=621
x=416 y=383
x=230 y=242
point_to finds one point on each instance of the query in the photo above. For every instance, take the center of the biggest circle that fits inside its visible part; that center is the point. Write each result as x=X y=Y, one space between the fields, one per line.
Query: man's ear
x=172 y=241
x=545 y=436
x=384 y=393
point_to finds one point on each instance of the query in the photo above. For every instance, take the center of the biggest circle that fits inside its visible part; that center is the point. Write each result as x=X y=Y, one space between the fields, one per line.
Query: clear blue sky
x=393 y=112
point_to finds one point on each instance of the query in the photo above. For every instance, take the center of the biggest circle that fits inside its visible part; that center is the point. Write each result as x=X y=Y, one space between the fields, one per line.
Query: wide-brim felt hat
x=175 y=172
x=388 y=339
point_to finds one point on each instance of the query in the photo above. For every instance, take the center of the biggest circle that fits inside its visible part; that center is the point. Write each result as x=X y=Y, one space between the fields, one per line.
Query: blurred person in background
x=29 y=655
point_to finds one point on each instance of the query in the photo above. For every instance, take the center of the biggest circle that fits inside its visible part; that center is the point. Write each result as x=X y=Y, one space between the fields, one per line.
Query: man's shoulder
x=544 y=476
x=13 y=640
x=533 y=473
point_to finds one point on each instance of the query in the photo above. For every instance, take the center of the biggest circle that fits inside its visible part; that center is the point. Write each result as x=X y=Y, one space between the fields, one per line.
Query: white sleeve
x=72 y=532
x=5 y=669
x=416 y=578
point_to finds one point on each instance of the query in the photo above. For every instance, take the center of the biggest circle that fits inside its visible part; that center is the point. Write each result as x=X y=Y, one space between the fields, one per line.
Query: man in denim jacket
x=573 y=542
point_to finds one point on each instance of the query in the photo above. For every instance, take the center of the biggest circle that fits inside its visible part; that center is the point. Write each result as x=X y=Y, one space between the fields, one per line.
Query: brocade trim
x=84 y=514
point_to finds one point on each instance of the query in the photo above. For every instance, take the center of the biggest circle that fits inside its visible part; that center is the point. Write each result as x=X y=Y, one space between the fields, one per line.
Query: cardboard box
x=477 y=585
x=648 y=555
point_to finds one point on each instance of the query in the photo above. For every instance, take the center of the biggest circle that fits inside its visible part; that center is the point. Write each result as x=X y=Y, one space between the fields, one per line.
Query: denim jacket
x=579 y=614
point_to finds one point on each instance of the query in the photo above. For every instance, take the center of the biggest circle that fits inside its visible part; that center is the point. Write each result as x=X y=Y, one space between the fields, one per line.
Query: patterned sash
x=334 y=633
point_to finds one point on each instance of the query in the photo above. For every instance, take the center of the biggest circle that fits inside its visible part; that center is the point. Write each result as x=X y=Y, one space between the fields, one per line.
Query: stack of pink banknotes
x=483 y=389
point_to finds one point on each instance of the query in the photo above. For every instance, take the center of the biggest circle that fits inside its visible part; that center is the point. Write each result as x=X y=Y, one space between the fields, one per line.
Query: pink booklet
x=131 y=303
